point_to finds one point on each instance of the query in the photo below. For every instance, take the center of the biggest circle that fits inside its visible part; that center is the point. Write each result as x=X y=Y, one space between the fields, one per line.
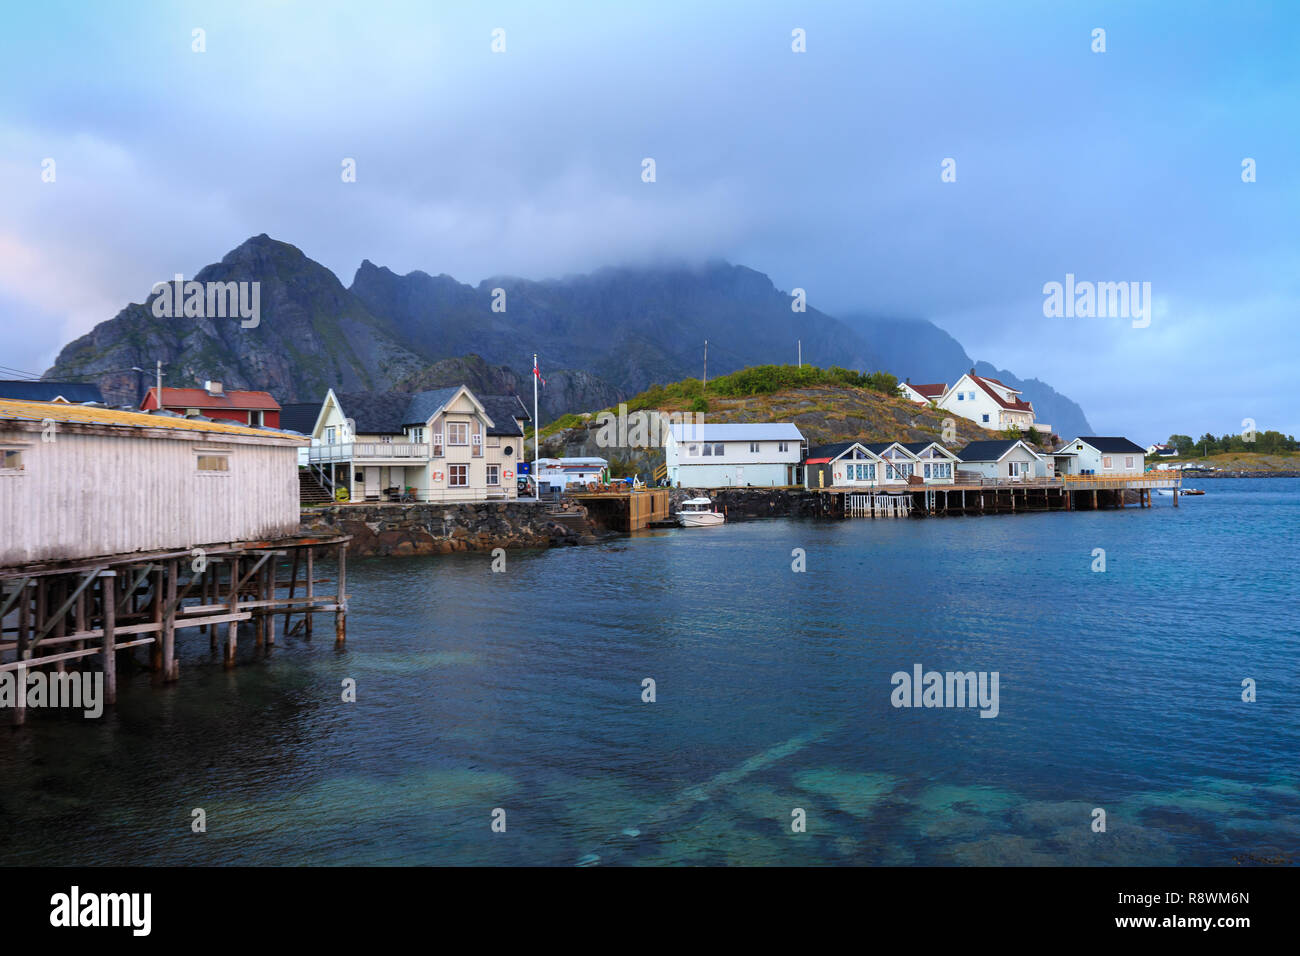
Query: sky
x=821 y=168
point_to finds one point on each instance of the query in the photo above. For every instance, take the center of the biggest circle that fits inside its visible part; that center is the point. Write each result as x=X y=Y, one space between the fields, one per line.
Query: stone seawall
x=390 y=529
x=743 y=504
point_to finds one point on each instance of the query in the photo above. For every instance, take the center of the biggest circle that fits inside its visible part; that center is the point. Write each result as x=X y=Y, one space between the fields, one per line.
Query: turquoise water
x=522 y=691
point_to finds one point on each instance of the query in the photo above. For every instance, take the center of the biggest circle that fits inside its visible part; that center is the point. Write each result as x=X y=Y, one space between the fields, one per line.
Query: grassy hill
x=828 y=405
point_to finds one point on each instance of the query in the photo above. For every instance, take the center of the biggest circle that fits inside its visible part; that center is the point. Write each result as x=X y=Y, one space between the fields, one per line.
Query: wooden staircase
x=310 y=492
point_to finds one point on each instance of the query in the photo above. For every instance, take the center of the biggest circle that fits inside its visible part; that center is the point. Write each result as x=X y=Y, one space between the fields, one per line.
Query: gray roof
x=504 y=410
x=375 y=413
x=299 y=417
x=25 y=391
x=1110 y=445
x=989 y=450
x=424 y=405
x=833 y=450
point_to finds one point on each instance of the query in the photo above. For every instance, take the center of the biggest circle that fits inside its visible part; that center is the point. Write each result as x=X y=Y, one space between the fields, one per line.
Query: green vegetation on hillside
x=1264 y=443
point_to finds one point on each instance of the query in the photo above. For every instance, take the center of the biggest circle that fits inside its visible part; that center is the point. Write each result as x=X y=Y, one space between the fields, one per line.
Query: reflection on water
x=522 y=691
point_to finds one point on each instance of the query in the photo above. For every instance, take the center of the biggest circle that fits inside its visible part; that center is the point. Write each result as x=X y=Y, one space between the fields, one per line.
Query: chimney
x=972 y=371
x=212 y=388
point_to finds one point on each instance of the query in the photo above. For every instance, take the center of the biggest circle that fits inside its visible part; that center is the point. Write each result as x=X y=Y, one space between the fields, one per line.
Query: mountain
x=600 y=337
x=628 y=327
x=923 y=352
x=312 y=334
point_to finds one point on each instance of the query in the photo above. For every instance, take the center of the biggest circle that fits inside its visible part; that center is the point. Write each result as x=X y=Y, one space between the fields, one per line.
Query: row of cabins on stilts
x=896 y=479
x=122 y=533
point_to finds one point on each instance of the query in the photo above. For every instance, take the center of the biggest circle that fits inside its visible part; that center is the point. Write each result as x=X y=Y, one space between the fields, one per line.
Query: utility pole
x=160 y=404
x=800 y=341
x=706 y=363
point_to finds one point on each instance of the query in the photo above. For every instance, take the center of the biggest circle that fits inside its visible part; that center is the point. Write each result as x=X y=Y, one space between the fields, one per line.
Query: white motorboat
x=699 y=513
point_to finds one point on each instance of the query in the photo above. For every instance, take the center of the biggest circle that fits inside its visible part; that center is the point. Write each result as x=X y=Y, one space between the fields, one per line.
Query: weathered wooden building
x=119 y=529
x=78 y=481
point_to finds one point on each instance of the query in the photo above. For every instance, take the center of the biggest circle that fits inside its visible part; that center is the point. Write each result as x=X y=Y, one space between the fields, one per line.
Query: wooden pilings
x=57 y=614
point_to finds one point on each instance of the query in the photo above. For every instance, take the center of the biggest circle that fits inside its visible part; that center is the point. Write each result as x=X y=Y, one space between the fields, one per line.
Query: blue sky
x=820 y=169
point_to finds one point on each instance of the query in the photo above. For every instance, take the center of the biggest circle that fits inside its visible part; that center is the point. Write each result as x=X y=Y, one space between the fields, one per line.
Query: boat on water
x=1191 y=491
x=1165 y=492
x=699 y=513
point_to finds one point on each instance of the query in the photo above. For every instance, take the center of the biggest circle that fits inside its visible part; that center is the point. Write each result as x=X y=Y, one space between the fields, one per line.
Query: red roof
x=199 y=398
x=1017 y=404
x=930 y=391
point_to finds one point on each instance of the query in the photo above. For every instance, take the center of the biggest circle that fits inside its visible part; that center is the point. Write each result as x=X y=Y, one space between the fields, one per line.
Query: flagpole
x=537 y=428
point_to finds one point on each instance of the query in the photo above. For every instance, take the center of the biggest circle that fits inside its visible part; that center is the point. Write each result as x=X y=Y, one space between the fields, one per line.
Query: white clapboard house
x=444 y=444
x=721 y=456
x=1098 y=455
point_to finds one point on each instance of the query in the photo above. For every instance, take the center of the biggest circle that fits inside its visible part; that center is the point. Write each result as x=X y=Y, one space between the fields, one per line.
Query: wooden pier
x=626 y=510
x=995 y=496
x=59 y=613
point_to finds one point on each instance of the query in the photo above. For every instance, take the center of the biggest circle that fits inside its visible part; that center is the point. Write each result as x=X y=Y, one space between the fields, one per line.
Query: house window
x=386 y=439
x=457 y=433
x=329 y=434
x=494 y=474
x=985 y=417
x=494 y=441
x=717 y=449
x=214 y=463
x=255 y=418
x=417 y=434
x=437 y=444
x=693 y=450
x=1105 y=462
x=783 y=446
x=458 y=476
x=753 y=448
x=961 y=396
x=1128 y=463
x=11 y=459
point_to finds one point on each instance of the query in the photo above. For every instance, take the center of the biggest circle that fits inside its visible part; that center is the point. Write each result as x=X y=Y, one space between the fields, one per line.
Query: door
x=372 y=481
x=740 y=474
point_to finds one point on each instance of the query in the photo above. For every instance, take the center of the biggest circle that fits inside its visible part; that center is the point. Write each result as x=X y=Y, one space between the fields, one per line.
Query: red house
x=212 y=401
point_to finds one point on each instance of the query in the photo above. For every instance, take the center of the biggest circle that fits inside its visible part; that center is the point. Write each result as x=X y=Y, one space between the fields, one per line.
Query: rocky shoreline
x=388 y=529
x=747 y=504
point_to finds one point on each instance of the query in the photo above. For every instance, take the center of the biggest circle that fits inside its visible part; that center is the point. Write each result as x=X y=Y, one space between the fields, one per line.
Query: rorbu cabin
x=898 y=464
x=935 y=464
x=840 y=464
x=1009 y=459
x=78 y=481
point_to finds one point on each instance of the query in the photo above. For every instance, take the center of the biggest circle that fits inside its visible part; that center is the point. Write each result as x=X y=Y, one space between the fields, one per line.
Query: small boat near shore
x=699 y=513
x=1190 y=491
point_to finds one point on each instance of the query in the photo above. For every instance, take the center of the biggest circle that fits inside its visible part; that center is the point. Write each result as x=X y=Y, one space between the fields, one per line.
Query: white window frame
x=451 y=476
x=458 y=428
x=493 y=475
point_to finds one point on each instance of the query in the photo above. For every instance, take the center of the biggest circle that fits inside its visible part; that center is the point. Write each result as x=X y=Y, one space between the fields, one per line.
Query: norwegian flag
x=538 y=373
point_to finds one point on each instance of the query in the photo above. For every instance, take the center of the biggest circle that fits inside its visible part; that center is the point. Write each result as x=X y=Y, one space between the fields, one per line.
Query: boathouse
x=935 y=464
x=1005 y=458
x=120 y=528
x=1098 y=455
x=78 y=481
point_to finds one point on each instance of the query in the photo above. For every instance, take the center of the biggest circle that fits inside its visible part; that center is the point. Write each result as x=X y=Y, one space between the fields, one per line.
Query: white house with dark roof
x=990 y=404
x=1100 y=455
x=841 y=464
x=1003 y=458
x=444 y=444
x=935 y=464
x=723 y=456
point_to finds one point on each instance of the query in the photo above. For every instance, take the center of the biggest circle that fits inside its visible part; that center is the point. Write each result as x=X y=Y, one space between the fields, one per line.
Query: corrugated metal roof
x=199 y=398
x=88 y=415
x=746 y=431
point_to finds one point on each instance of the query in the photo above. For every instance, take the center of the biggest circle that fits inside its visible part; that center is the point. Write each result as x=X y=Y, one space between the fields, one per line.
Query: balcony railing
x=357 y=451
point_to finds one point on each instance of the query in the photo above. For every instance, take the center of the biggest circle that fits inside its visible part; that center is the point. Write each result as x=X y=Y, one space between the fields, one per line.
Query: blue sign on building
x=524 y=468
